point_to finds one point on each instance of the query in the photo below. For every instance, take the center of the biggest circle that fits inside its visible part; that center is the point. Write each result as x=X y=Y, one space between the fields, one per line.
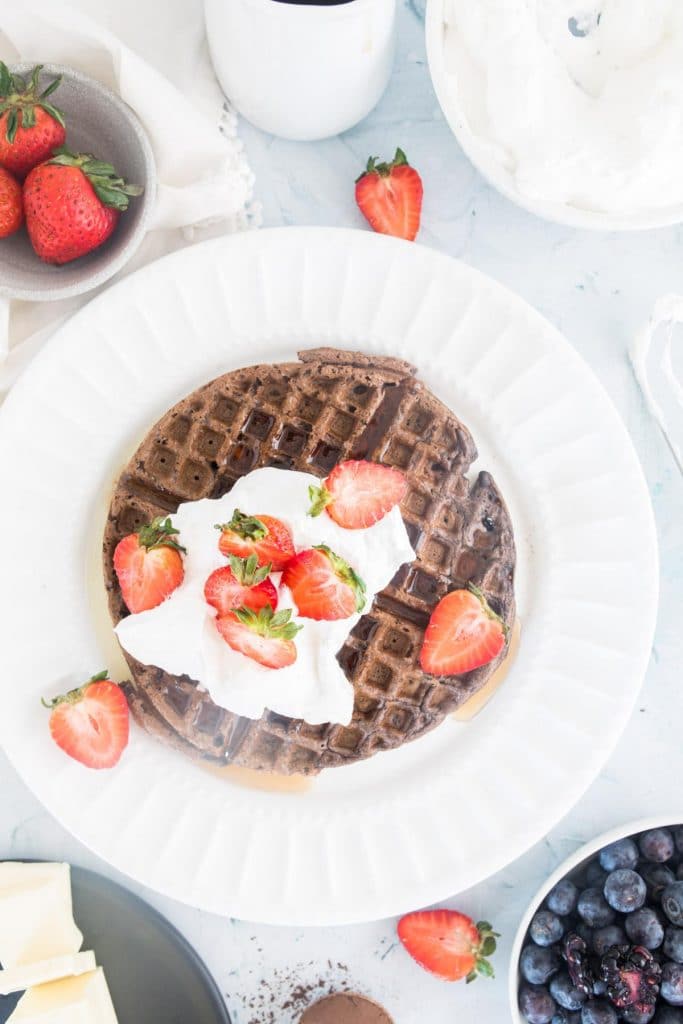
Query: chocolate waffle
x=308 y=416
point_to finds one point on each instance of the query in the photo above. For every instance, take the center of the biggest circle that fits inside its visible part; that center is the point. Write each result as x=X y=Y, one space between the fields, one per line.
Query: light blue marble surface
x=598 y=289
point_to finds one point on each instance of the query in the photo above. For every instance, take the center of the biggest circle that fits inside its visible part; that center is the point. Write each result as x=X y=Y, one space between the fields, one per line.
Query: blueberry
x=538 y=963
x=622 y=854
x=584 y=932
x=536 y=1004
x=546 y=928
x=673 y=944
x=633 y=1016
x=656 y=878
x=597 y=1011
x=562 y=898
x=657 y=845
x=644 y=928
x=625 y=890
x=563 y=992
x=599 y=987
x=668 y=1015
x=679 y=872
x=678 y=838
x=566 y=1017
x=604 y=938
x=672 y=984
x=594 y=910
x=595 y=875
x=672 y=902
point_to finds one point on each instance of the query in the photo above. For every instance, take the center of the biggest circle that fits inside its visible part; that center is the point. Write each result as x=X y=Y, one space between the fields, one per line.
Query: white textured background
x=598 y=289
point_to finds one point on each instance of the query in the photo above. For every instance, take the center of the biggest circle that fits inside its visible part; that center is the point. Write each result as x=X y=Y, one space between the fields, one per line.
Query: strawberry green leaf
x=246 y=527
x=35 y=75
x=346 y=574
x=53 y=112
x=264 y=622
x=160 y=533
x=485 y=926
x=28 y=117
x=6 y=85
x=54 y=84
x=485 y=969
x=12 y=125
x=320 y=498
x=111 y=190
x=248 y=572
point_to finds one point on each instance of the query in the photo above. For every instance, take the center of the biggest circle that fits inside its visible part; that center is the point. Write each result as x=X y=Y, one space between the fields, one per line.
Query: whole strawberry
x=11 y=205
x=72 y=204
x=31 y=128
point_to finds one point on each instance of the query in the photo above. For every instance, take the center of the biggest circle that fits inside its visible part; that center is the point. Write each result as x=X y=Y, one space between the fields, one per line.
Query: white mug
x=302 y=71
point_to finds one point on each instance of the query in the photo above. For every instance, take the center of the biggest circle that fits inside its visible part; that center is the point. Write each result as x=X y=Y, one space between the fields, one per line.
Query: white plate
x=408 y=827
x=484 y=159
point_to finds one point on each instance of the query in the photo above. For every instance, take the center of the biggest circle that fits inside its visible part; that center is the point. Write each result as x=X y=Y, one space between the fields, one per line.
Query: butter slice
x=18 y=979
x=82 y=1000
x=36 y=913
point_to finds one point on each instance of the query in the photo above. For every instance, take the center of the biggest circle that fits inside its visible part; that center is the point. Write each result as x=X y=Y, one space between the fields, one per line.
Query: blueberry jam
x=606 y=946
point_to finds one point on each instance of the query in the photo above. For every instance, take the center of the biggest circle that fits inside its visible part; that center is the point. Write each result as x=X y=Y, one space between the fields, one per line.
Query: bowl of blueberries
x=602 y=942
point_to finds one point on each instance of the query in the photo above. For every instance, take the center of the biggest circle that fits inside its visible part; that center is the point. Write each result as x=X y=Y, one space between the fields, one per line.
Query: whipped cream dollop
x=582 y=102
x=180 y=635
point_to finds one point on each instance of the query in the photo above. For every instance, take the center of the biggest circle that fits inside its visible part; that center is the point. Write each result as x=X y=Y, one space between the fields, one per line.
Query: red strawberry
x=323 y=585
x=149 y=565
x=265 y=636
x=90 y=724
x=448 y=944
x=463 y=633
x=242 y=584
x=358 y=494
x=72 y=204
x=11 y=204
x=30 y=127
x=390 y=196
x=264 y=536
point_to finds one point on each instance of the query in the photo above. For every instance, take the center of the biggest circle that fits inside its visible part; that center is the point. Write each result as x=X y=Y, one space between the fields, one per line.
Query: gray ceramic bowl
x=98 y=122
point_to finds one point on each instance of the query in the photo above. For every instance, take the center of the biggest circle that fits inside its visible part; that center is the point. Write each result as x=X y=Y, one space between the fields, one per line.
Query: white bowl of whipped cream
x=571 y=108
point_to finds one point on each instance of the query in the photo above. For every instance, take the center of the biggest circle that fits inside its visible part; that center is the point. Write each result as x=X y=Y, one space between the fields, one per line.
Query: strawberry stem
x=346 y=574
x=76 y=695
x=320 y=498
x=485 y=948
x=159 y=534
x=19 y=100
x=384 y=169
x=110 y=189
x=265 y=622
x=246 y=527
x=247 y=570
x=488 y=610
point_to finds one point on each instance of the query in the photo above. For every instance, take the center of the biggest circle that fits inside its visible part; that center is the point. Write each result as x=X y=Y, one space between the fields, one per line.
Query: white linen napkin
x=156 y=58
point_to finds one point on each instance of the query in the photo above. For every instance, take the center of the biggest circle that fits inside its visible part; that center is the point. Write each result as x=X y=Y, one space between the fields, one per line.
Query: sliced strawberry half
x=264 y=536
x=389 y=196
x=265 y=636
x=149 y=565
x=91 y=723
x=448 y=944
x=323 y=585
x=358 y=494
x=243 y=583
x=463 y=633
